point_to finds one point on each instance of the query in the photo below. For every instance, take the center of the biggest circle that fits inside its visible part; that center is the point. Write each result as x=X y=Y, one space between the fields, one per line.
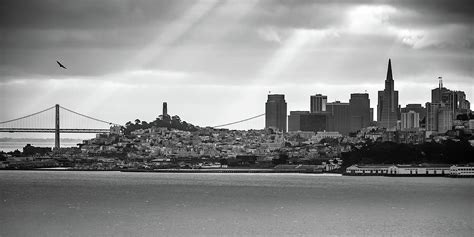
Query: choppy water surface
x=48 y=203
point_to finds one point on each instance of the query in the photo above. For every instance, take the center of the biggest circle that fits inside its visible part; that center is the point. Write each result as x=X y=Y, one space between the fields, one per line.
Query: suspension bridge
x=50 y=121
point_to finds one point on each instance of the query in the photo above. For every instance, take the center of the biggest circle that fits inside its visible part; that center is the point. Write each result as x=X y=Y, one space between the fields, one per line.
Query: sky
x=215 y=62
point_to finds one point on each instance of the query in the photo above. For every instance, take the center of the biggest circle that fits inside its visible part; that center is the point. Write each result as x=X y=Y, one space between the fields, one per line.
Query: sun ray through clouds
x=172 y=32
x=291 y=48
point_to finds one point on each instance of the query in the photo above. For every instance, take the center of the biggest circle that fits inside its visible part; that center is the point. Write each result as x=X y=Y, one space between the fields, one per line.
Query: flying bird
x=60 y=65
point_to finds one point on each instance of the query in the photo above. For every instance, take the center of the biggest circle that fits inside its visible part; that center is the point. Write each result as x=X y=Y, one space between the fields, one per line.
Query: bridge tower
x=56 y=130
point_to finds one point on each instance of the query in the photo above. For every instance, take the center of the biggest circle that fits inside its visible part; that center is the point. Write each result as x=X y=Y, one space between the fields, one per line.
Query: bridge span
x=32 y=125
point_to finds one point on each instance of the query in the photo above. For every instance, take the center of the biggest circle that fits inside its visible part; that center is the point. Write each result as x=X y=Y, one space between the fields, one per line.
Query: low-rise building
x=400 y=170
x=420 y=170
x=461 y=171
x=367 y=170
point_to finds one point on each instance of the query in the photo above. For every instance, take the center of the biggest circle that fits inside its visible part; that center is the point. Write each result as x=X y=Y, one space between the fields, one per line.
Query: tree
x=162 y=121
x=448 y=152
x=176 y=118
x=282 y=159
x=423 y=121
x=463 y=117
x=329 y=140
x=223 y=161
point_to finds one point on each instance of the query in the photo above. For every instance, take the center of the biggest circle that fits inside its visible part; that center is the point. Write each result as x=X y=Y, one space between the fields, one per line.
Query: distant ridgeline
x=445 y=152
x=164 y=121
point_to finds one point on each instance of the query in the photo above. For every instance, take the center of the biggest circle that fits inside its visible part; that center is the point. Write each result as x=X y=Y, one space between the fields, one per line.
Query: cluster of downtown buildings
x=436 y=117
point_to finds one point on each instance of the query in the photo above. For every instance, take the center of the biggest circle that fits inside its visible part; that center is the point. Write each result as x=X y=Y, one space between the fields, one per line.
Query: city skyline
x=248 y=51
x=276 y=117
x=236 y=117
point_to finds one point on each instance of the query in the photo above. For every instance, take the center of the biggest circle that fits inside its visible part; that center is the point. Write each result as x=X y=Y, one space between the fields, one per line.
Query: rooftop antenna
x=440 y=82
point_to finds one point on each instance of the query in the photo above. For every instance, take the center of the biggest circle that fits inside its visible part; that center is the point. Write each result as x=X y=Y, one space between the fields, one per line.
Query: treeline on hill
x=465 y=117
x=446 y=152
x=162 y=121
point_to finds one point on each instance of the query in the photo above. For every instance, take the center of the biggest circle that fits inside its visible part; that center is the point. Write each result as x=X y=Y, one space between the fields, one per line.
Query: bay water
x=70 y=203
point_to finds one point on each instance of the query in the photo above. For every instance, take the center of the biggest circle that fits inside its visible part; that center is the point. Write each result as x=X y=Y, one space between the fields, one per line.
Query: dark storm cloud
x=441 y=15
x=56 y=39
x=100 y=15
x=86 y=14
x=460 y=11
x=33 y=33
x=36 y=33
x=89 y=24
x=78 y=31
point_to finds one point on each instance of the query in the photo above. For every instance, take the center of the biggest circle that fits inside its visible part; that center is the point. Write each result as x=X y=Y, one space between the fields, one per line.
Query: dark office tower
x=453 y=100
x=294 y=120
x=316 y=122
x=340 y=114
x=371 y=118
x=309 y=122
x=439 y=95
x=275 y=112
x=359 y=111
x=387 y=107
x=165 y=109
x=318 y=103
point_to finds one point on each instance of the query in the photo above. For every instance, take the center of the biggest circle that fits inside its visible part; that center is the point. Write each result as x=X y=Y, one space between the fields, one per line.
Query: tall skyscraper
x=340 y=114
x=275 y=112
x=318 y=103
x=359 y=111
x=387 y=107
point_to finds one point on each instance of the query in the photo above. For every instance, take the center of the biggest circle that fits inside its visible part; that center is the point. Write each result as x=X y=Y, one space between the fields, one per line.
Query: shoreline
x=234 y=171
x=182 y=170
x=224 y=171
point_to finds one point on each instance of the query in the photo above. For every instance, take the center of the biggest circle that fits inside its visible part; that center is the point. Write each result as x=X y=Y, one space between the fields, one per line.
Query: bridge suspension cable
x=110 y=123
x=240 y=121
x=33 y=114
x=83 y=115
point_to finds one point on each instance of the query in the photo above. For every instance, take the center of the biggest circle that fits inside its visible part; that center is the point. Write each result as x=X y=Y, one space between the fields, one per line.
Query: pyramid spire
x=389 y=71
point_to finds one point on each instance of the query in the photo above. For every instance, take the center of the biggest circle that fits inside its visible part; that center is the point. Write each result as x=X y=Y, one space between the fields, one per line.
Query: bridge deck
x=52 y=130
